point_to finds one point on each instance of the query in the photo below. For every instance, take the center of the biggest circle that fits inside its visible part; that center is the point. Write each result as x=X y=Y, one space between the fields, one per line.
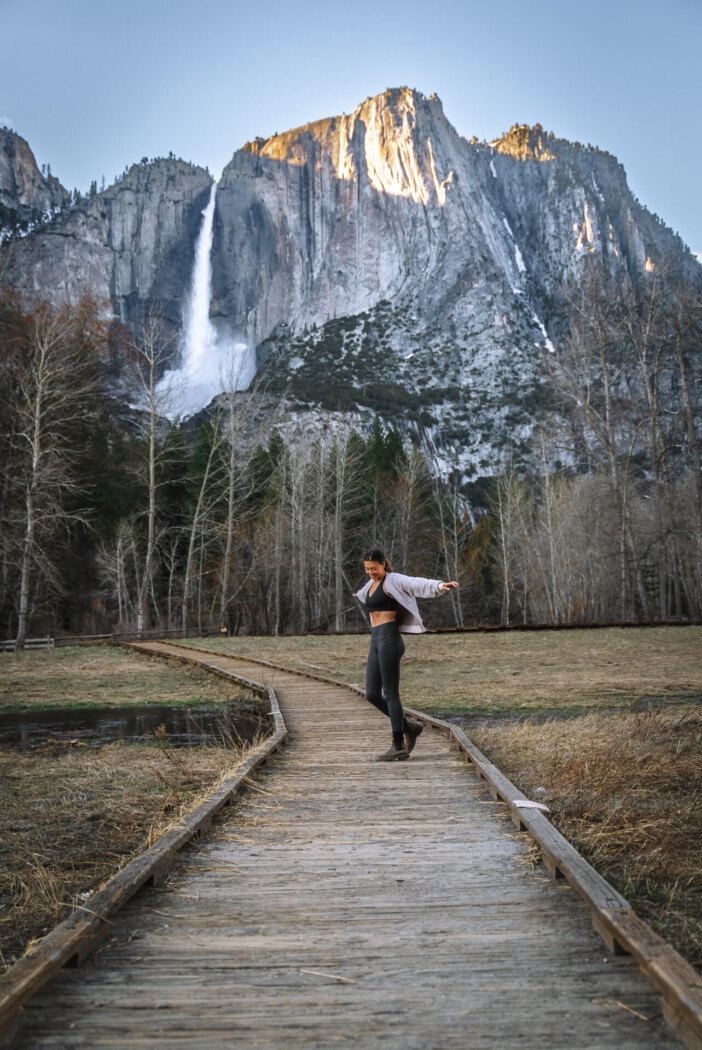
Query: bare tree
x=239 y=410
x=156 y=400
x=407 y=510
x=346 y=460
x=54 y=389
x=112 y=561
x=198 y=524
x=454 y=532
x=512 y=509
x=601 y=419
x=687 y=341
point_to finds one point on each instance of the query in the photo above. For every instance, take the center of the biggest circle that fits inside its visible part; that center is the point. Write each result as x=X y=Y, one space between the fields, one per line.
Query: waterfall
x=199 y=336
x=210 y=360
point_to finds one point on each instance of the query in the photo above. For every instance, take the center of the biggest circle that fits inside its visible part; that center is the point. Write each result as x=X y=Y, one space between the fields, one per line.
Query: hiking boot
x=395 y=754
x=412 y=731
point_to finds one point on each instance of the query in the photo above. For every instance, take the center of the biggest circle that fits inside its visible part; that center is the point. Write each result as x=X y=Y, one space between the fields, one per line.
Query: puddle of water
x=185 y=726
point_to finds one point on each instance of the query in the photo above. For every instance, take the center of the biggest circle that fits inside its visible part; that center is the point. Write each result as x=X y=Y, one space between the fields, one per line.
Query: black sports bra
x=379 y=601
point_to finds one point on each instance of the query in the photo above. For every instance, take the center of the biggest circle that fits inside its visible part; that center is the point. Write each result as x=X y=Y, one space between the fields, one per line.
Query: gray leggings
x=383 y=674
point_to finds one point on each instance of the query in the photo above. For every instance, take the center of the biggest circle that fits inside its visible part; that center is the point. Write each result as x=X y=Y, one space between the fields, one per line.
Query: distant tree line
x=113 y=518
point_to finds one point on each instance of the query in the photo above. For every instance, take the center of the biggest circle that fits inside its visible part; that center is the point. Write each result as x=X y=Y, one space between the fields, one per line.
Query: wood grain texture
x=74 y=938
x=407 y=879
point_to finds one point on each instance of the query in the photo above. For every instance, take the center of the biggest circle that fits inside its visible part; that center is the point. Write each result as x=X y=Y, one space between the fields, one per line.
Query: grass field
x=70 y=816
x=520 y=671
x=558 y=711
x=568 y=716
x=100 y=676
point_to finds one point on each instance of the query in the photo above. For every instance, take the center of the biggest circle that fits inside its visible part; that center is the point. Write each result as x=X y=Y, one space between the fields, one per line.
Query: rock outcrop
x=130 y=247
x=27 y=196
x=329 y=219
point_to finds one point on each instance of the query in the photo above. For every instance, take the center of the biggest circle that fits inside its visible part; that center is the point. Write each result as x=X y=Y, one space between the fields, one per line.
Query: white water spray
x=209 y=362
x=199 y=337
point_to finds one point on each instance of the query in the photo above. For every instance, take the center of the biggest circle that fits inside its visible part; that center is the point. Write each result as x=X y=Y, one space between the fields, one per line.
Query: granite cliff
x=27 y=195
x=382 y=263
x=130 y=247
x=378 y=261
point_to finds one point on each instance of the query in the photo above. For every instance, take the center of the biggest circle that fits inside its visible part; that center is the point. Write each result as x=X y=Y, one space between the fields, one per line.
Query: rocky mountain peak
x=150 y=175
x=377 y=261
x=389 y=140
x=27 y=194
x=130 y=246
x=526 y=143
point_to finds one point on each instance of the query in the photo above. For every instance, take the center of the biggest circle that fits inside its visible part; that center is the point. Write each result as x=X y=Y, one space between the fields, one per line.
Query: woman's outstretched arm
x=421 y=587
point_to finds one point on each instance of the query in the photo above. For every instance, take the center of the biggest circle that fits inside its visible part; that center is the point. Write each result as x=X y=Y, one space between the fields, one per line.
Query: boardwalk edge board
x=612 y=916
x=71 y=941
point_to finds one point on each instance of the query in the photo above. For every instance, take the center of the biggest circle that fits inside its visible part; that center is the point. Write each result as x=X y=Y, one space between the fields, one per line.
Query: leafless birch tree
x=53 y=389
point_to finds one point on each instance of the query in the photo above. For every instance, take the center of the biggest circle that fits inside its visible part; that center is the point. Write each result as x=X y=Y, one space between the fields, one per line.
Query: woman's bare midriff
x=382 y=617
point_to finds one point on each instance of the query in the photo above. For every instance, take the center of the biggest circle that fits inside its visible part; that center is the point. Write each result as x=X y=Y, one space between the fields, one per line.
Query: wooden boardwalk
x=404 y=886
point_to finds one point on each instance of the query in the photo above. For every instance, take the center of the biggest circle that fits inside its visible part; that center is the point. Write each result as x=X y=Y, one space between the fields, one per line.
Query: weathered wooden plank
x=562 y=859
x=73 y=939
x=678 y=982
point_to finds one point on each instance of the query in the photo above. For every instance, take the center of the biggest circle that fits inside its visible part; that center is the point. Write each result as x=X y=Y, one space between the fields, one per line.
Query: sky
x=94 y=87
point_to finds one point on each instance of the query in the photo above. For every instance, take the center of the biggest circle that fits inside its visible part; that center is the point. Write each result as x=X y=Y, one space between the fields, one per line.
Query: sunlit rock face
x=329 y=219
x=565 y=201
x=130 y=247
x=382 y=262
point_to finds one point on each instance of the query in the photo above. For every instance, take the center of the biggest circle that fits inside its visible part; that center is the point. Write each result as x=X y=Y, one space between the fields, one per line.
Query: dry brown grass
x=71 y=818
x=507 y=672
x=626 y=789
x=101 y=676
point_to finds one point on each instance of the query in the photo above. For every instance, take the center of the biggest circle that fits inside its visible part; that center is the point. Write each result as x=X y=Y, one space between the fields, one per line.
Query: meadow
x=604 y=726
x=476 y=672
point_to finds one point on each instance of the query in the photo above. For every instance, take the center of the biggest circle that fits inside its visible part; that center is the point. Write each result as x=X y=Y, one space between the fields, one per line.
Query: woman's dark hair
x=376 y=554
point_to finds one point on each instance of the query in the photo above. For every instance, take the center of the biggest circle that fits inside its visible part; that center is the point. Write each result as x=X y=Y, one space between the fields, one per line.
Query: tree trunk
x=27 y=554
x=195 y=528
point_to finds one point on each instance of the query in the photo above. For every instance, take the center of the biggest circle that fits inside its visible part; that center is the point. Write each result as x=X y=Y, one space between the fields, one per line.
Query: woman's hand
x=450 y=586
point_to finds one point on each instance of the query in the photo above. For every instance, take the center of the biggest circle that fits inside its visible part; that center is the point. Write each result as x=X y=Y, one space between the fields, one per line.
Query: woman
x=391 y=600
